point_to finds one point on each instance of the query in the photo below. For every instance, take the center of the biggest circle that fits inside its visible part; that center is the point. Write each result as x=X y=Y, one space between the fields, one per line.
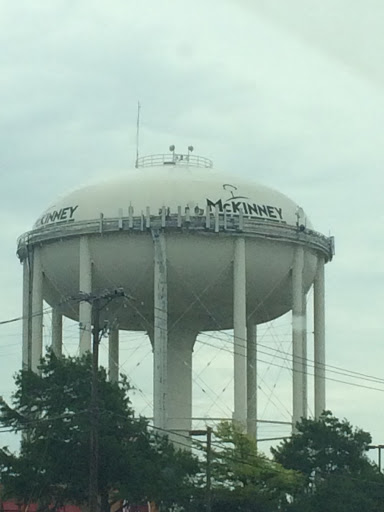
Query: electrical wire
x=150 y=325
x=198 y=298
x=300 y=371
x=277 y=352
x=329 y=368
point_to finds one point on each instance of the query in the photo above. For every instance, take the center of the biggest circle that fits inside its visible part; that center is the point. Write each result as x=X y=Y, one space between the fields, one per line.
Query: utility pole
x=98 y=301
x=94 y=410
x=208 y=487
x=209 y=460
x=377 y=447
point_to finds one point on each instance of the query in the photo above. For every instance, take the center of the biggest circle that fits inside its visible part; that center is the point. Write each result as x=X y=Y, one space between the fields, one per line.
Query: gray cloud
x=279 y=93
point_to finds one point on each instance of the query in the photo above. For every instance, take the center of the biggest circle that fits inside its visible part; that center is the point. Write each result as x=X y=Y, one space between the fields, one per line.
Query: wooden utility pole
x=94 y=412
x=97 y=302
x=208 y=487
x=377 y=447
x=209 y=460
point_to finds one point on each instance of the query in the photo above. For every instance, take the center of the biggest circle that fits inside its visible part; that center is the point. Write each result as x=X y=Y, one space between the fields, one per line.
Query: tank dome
x=202 y=210
x=173 y=186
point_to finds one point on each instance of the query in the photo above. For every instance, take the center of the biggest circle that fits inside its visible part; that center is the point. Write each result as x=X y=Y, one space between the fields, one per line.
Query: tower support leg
x=27 y=317
x=160 y=333
x=85 y=285
x=37 y=311
x=319 y=338
x=298 y=330
x=113 y=355
x=57 y=332
x=252 y=380
x=180 y=349
x=240 y=334
x=305 y=359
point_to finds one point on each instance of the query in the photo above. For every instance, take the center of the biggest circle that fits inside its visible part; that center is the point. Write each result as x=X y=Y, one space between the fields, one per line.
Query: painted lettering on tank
x=66 y=214
x=252 y=210
x=236 y=203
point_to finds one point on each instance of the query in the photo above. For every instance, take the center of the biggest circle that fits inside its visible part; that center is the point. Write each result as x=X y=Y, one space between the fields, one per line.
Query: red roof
x=10 y=506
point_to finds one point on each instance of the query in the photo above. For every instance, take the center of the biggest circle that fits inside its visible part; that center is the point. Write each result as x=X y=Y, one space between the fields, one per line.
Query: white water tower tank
x=197 y=250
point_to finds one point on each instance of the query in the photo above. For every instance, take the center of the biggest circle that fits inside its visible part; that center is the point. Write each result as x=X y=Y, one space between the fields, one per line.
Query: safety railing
x=174 y=159
x=210 y=221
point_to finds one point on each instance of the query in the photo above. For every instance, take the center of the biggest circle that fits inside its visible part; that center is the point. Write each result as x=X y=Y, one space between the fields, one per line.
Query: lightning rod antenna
x=137 y=134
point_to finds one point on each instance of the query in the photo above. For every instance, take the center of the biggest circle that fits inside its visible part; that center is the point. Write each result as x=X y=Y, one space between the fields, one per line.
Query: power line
x=329 y=368
x=19 y=318
x=310 y=374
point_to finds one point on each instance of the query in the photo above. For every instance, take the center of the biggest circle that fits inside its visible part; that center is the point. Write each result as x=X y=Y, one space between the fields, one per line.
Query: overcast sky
x=289 y=93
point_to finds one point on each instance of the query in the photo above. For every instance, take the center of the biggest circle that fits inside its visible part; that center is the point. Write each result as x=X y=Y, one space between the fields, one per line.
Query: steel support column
x=319 y=338
x=85 y=285
x=180 y=349
x=305 y=358
x=160 y=334
x=37 y=311
x=27 y=318
x=252 y=380
x=240 y=334
x=298 y=328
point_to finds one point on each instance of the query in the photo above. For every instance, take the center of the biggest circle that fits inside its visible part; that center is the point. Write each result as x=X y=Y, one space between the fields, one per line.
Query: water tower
x=198 y=251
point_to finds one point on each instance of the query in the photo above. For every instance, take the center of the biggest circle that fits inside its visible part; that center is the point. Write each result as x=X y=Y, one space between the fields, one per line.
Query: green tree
x=332 y=456
x=244 y=479
x=52 y=411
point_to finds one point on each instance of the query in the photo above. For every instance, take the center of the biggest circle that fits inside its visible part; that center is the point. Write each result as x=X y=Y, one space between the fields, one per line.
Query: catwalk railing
x=173 y=159
x=208 y=222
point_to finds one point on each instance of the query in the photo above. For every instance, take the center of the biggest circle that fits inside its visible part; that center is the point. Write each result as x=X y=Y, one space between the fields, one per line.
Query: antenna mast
x=137 y=133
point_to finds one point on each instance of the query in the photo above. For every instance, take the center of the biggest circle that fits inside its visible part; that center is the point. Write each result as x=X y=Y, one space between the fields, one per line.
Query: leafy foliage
x=322 y=467
x=332 y=456
x=245 y=480
x=325 y=447
x=52 y=411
